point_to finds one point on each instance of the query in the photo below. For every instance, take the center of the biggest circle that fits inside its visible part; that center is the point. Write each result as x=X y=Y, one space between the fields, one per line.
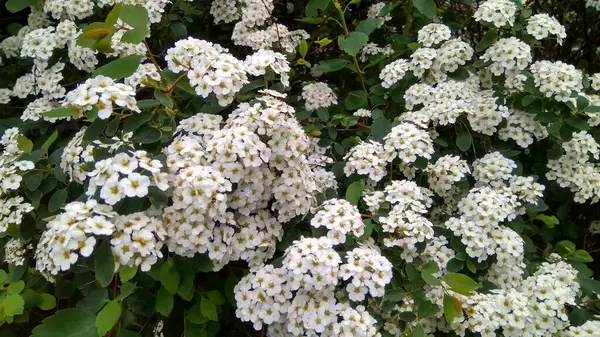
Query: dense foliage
x=301 y=168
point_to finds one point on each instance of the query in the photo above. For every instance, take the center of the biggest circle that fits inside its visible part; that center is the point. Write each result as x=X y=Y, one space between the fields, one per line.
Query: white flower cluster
x=508 y=55
x=299 y=299
x=39 y=43
x=135 y=239
x=497 y=12
x=593 y=4
x=557 y=79
x=224 y=177
x=371 y=49
x=422 y=59
x=103 y=93
x=362 y=113
x=394 y=72
x=369 y=270
x=374 y=11
x=41 y=80
x=260 y=62
x=15 y=250
x=367 y=158
x=406 y=222
x=126 y=175
x=340 y=218
x=318 y=95
x=523 y=128
x=145 y=72
x=595 y=81
x=433 y=34
x=542 y=26
x=445 y=172
x=587 y=329
x=594 y=227
x=209 y=68
x=406 y=141
x=11 y=171
x=575 y=171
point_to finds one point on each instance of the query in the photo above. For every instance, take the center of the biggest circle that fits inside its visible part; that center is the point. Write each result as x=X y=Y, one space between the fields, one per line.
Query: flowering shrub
x=317 y=168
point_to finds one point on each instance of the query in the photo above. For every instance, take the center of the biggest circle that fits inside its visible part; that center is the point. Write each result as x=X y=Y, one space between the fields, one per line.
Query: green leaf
x=48 y=302
x=425 y=7
x=113 y=16
x=314 y=5
x=332 y=65
x=353 y=43
x=163 y=98
x=367 y=26
x=57 y=199
x=354 y=192
x=427 y=273
x=419 y=331
x=380 y=128
x=356 y=99
x=208 y=309
x=395 y=295
x=463 y=141
x=135 y=121
x=104 y=264
x=577 y=123
x=186 y=286
x=119 y=68
x=449 y=310
x=95 y=130
x=50 y=140
x=24 y=144
x=230 y=283
x=460 y=283
x=70 y=322
x=164 y=302
x=137 y=17
x=169 y=277
x=216 y=297
x=14 y=6
x=590 y=286
x=33 y=180
x=3 y=277
x=107 y=317
x=549 y=220
x=179 y=30
x=489 y=38
x=527 y=100
x=126 y=273
x=16 y=288
x=592 y=108
x=126 y=289
x=13 y=305
x=94 y=301
x=146 y=135
x=303 y=48
x=580 y=255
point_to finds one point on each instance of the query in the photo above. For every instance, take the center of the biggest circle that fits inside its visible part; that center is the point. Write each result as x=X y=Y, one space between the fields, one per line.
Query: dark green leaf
x=356 y=99
x=463 y=141
x=314 y=5
x=332 y=65
x=57 y=199
x=146 y=135
x=353 y=43
x=137 y=17
x=208 y=309
x=426 y=7
x=164 y=302
x=70 y=322
x=395 y=295
x=577 y=123
x=367 y=26
x=119 y=68
x=169 y=277
x=354 y=192
x=488 y=39
x=14 y=6
x=95 y=300
x=104 y=264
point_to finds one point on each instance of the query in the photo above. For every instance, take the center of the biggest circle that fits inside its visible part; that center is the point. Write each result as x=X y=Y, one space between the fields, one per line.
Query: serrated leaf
x=119 y=68
x=164 y=302
x=16 y=287
x=104 y=264
x=353 y=43
x=14 y=304
x=354 y=192
x=70 y=322
x=426 y=7
x=367 y=26
x=107 y=317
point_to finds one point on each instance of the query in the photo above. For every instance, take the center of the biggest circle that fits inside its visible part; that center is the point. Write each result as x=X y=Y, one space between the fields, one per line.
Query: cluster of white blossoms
x=340 y=218
x=523 y=128
x=144 y=73
x=367 y=158
x=254 y=167
x=587 y=329
x=262 y=61
x=422 y=60
x=300 y=299
x=125 y=175
x=575 y=171
x=210 y=68
x=103 y=93
x=362 y=113
x=11 y=175
x=39 y=43
x=497 y=12
x=375 y=10
x=318 y=95
x=371 y=49
x=42 y=80
x=508 y=55
x=445 y=172
x=497 y=197
x=135 y=239
x=394 y=72
x=595 y=81
x=15 y=250
x=433 y=34
x=406 y=141
x=557 y=79
x=81 y=9
x=542 y=26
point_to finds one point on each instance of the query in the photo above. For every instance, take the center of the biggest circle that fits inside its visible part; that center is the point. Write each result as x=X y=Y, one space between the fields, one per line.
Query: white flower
x=135 y=185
